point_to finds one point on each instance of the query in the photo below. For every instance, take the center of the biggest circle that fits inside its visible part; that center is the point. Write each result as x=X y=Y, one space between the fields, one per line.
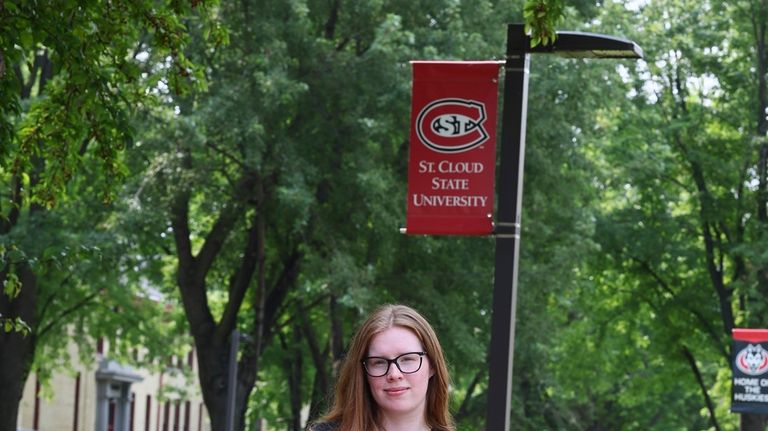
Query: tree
x=69 y=80
x=69 y=102
x=681 y=223
x=281 y=188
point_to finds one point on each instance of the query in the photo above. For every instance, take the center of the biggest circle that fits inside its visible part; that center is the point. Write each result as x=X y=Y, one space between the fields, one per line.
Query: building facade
x=109 y=396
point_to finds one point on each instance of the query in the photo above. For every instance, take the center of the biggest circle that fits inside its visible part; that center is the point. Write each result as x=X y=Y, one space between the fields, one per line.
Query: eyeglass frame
x=393 y=361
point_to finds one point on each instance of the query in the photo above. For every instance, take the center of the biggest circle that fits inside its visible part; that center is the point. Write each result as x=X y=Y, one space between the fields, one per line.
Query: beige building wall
x=74 y=406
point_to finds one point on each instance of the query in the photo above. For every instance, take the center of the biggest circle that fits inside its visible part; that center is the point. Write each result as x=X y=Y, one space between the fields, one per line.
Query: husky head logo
x=452 y=125
x=752 y=360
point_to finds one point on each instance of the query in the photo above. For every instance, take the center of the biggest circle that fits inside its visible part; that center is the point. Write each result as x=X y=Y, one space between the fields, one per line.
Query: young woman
x=394 y=377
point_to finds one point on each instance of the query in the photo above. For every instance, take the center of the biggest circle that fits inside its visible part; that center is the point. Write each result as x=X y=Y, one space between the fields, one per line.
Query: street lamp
x=507 y=226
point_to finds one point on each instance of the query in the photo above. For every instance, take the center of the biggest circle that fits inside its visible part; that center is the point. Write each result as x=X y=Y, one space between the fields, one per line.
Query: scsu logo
x=752 y=360
x=452 y=125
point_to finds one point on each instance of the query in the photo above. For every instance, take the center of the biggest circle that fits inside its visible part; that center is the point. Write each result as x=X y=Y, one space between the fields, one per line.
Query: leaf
x=12 y=285
x=26 y=39
x=22 y=327
x=15 y=255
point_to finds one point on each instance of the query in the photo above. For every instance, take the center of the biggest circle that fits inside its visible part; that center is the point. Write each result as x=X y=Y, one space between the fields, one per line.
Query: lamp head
x=575 y=44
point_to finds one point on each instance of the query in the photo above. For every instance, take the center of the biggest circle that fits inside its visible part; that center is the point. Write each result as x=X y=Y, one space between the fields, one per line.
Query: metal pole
x=508 y=230
x=234 y=345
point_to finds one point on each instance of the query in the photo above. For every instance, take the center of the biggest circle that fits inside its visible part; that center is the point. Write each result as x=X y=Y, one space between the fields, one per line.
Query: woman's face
x=398 y=393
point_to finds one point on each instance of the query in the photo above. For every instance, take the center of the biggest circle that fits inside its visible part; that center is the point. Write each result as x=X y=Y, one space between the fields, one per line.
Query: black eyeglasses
x=407 y=363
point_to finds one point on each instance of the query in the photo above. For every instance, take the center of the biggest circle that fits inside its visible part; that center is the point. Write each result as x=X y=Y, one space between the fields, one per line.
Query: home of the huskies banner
x=750 y=371
x=452 y=162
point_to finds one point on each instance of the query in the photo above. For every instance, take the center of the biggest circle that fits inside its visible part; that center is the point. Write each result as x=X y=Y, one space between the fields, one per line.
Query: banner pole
x=508 y=230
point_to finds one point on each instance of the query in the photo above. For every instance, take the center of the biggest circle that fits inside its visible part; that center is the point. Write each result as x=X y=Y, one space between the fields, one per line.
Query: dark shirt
x=323 y=426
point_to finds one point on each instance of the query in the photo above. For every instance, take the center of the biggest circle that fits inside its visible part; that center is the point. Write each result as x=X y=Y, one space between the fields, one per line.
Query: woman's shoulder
x=323 y=426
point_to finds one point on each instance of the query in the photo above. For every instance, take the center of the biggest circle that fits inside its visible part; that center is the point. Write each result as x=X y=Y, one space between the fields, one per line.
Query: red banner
x=452 y=164
x=749 y=360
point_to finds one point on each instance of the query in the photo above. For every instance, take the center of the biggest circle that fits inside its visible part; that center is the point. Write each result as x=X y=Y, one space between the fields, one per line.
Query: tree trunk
x=213 y=374
x=761 y=66
x=2 y=57
x=295 y=371
x=211 y=337
x=337 y=336
x=321 y=382
x=463 y=411
x=213 y=347
x=16 y=350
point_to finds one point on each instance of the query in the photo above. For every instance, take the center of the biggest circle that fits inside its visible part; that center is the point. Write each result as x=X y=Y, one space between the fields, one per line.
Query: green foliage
x=82 y=57
x=11 y=284
x=298 y=131
x=14 y=325
x=72 y=77
x=675 y=221
x=541 y=20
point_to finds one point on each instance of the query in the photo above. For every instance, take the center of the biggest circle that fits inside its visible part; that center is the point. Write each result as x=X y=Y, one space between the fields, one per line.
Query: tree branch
x=191 y=284
x=55 y=321
x=180 y=225
x=240 y=281
x=700 y=380
x=276 y=296
x=2 y=57
x=703 y=321
x=224 y=224
x=333 y=17
x=464 y=408
x=714 y=267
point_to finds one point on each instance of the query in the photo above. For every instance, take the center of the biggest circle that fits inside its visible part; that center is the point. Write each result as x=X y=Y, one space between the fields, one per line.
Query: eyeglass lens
x=407 y=363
